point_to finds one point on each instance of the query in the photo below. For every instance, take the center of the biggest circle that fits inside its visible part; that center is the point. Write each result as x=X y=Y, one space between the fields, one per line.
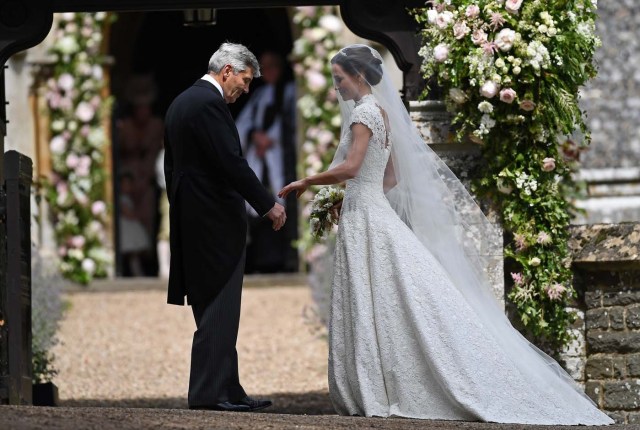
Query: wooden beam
x=158 y=5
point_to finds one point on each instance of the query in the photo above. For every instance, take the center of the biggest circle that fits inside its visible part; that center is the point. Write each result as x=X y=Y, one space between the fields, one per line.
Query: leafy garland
x=511 y=71
x=76 y=190
x=312 y=51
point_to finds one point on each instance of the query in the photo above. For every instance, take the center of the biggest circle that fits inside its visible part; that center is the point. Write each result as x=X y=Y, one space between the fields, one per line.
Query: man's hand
x=278 y=216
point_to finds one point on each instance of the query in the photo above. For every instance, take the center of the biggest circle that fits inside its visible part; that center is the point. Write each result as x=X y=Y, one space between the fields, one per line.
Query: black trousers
x=214 y=359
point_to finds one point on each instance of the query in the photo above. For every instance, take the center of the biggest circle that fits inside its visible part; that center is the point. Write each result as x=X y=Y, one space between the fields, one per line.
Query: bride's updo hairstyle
x=356 y=60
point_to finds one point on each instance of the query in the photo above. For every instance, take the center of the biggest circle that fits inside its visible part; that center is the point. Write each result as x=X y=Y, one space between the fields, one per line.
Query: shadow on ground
x=312 y=403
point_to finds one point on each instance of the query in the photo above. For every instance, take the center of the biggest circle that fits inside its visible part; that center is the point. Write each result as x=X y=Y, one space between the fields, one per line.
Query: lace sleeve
x=364 y=115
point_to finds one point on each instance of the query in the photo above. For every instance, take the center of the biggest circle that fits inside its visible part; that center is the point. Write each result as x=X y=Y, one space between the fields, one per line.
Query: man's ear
x=227 y=70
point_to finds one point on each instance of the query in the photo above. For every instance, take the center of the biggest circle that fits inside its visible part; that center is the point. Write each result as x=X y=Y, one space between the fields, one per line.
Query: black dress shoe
x=224 y=406
x=253 y=404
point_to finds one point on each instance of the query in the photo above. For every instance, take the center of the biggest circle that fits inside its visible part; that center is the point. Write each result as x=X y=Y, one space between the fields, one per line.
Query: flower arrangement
x=511 y=71
x=324 y=214
x=76 y=190
x=318 y=106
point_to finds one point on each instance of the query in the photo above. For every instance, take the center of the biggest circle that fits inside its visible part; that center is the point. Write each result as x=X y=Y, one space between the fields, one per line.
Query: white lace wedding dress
x=403 y=341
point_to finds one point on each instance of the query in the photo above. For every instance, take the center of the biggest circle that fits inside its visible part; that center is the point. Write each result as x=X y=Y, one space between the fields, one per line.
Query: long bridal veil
x=439 y=210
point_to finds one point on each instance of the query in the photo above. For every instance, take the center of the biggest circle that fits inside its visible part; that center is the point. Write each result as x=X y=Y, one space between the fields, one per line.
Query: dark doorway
x=159 y=47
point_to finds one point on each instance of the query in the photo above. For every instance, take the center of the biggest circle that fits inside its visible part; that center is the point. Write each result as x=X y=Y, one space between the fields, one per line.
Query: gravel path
x=131 y=348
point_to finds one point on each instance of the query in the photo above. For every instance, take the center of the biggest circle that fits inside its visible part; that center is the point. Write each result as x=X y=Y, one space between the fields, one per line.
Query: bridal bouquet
x=322 y=216
x=511 y=71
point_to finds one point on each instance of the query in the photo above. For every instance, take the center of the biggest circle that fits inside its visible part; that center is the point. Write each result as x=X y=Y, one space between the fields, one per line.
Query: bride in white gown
x=414 y=328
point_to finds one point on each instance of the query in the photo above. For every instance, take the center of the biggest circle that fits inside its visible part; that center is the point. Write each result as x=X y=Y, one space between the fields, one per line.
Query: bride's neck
x=360 y=96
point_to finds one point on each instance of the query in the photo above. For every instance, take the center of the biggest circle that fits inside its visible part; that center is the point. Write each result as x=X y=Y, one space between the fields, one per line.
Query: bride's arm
x=348 y=169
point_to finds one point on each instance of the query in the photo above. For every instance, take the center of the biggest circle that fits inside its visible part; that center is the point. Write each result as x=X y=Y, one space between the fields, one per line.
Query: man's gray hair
x=236 y=55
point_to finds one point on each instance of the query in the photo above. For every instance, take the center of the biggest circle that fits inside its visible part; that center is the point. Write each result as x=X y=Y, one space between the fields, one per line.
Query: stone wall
x=606 y=261
x=612 y=103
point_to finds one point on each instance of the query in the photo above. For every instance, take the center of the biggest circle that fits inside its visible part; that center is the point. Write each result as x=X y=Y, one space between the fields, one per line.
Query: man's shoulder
x=199 y=95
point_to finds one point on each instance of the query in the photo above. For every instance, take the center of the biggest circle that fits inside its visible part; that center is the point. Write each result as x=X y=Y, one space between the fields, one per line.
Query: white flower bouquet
x=323 y=211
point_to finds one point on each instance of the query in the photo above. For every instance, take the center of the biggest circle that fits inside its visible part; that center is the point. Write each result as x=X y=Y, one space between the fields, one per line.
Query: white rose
x=331 y=23
x=58 y=144
x=89 y=266
x=502 y=187
x=444 y=19
x=535 y=261
x=68 y=45
x=432 y=15
x=517 y=70
x=441 y=52
x=457 y=95
x=485 y=107
x=513 y=6
x=505 y=39
x=85 y=112
x=489 y=89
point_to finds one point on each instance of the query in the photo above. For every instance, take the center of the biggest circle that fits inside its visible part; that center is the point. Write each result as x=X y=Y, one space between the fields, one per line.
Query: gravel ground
x=130 y=347
x=123 y=363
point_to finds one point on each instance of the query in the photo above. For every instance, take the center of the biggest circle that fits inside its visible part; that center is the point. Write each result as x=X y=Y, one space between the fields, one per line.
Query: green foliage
x=512 y=78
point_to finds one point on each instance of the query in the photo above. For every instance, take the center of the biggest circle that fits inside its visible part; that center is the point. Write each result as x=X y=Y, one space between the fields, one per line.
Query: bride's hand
x=335 y=211
x=298 y=186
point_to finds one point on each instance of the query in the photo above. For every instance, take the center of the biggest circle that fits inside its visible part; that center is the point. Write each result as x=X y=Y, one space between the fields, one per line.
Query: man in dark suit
x=208 y=181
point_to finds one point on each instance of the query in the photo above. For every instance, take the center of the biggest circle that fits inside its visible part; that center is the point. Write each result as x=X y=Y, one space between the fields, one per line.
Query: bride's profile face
x=345 y=84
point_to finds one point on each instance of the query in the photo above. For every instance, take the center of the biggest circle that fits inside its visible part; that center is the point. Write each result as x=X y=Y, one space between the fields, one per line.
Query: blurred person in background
x=267 y=131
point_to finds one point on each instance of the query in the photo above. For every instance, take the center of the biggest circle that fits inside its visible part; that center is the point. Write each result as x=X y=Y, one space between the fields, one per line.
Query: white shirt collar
x=207 y=77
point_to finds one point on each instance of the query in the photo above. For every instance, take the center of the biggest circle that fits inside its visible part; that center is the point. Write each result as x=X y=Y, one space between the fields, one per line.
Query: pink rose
x=548 y=164
x=479 y=37
x=473 y=11
x=85 y=111
x=512 y=6
x=507 y=95
x=527 y=105
x=98 y=207
x=315 y=81
x=66 y=81
x=77 y=241
x=84 y=166
x=489 y=89
x=460 y=30
x=72 y=161
x=441 y=52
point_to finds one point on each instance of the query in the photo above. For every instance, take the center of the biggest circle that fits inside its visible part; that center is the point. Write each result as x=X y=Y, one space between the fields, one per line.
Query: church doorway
x=155 y=57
